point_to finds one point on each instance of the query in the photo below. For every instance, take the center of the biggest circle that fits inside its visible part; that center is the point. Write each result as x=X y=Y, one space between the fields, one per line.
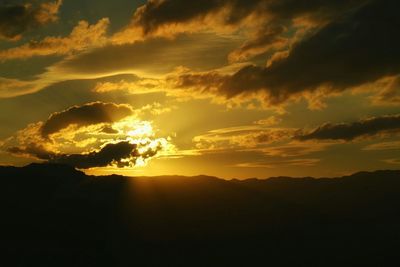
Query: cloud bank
x=350 y=131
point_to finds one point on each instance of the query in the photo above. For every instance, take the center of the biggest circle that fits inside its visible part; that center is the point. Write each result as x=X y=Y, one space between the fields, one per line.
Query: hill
x=54 y=215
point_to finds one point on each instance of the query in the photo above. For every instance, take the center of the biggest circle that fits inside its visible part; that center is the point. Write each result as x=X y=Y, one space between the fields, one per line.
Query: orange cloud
x=393 y=145
x=389 y=92
x=268 y=38
x=82 y=37
x=18 y=18
x=305 y=162
x=270 y=121
x=242 y=137
x=295 y=149
x=14 y=87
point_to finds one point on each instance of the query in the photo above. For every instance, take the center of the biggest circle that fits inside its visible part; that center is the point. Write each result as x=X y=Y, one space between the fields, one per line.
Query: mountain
x=54 y=215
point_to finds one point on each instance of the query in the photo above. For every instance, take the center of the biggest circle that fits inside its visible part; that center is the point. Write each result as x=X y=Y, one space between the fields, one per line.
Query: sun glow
x=144 y=136
x=144 y=129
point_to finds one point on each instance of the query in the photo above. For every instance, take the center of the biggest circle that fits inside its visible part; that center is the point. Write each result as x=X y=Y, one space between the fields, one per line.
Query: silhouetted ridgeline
x=53 y=215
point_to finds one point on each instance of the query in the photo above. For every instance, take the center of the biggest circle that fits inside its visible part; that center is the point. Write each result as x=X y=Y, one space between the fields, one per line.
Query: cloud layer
x=351 y=131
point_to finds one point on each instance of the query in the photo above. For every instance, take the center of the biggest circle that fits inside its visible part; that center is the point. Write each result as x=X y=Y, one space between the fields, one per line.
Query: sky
x=229 y=88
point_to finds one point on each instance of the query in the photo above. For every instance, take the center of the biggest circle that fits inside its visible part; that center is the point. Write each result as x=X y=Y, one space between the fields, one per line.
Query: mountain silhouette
x=55 y=215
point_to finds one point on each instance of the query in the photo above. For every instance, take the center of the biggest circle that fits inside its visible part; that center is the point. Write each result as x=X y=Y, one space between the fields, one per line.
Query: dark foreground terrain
x=53 y=215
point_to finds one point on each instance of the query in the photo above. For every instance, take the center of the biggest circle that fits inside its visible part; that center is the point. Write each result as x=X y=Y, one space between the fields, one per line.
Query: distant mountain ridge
x=51 y=167
x=54 y=215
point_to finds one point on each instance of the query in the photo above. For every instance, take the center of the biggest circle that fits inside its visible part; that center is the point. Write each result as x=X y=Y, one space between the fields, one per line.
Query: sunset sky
x=230 y=88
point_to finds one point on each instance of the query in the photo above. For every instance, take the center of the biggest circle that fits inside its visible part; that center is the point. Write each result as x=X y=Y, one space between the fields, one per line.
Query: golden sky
x=230 y=88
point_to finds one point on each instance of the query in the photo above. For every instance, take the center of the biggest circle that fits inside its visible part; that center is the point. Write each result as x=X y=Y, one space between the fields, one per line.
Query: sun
x=144 y=128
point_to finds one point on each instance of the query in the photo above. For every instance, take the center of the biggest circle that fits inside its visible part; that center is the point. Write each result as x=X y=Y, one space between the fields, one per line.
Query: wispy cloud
x=305 y=162
x=393 y=145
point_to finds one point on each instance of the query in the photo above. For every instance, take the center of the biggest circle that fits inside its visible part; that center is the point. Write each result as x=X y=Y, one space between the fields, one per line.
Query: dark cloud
x=88 y=114
x=360 y=47
x=357 y=48
x=208 y=81
x=269 y=17
x=32 y=150
x=269 y=37
x=110 y=153
x=350 y=131
x=120 y=154
x=18 y=18
x=109 y=130
x=156 y=14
